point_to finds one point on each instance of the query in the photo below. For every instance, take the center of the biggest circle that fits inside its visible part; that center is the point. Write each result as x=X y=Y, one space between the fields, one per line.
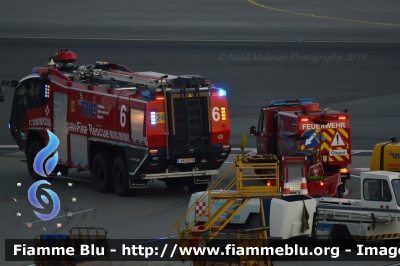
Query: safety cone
x=286 y=188
x=303 y=187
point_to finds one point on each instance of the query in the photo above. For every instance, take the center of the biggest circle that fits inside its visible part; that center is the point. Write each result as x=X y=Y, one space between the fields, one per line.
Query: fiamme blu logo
x=44 y=167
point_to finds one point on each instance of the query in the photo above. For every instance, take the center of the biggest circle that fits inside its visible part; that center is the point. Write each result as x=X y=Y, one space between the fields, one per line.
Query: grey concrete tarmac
x=148 y=215
x=285 y=20
x=366 y=86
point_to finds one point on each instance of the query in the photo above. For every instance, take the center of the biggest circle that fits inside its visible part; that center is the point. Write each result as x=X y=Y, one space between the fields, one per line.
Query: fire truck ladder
x=248 y=187
x=195 y=134
x=143 y=80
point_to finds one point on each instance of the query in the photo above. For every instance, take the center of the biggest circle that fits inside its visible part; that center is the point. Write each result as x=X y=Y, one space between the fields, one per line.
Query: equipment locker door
x=60 y=128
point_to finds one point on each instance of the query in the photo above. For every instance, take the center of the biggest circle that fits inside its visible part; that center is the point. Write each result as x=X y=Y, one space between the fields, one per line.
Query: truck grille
x=191 y=126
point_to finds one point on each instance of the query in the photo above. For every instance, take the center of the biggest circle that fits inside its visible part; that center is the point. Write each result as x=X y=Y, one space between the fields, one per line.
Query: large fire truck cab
x=125 y=127
x=300 y=127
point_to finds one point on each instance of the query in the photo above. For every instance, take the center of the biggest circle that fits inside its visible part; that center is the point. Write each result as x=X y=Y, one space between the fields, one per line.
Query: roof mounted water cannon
x=64 y=56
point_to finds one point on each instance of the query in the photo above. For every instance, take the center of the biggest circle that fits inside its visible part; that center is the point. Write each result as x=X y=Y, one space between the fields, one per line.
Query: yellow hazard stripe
x=344 y=133
x=327 y=136
x=375 y=237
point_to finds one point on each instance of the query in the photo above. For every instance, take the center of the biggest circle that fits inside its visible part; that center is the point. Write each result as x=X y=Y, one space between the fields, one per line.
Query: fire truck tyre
x=192 y=187
x=121 y=178
x=391 y=242
x=340 y=191
x=175 y=183
x=102 y=175
x=33 y=149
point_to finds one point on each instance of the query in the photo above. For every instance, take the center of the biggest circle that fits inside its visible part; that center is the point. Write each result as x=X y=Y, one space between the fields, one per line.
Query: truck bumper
x=179 y=174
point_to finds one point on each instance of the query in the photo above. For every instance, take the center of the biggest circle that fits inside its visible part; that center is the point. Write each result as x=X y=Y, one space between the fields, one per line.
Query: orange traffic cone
x=286 y=188
x=303 y=187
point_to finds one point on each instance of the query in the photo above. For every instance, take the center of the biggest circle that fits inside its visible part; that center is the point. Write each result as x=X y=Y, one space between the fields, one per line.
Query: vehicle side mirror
x=2 y=93
x=14 y=83
x=253 y=131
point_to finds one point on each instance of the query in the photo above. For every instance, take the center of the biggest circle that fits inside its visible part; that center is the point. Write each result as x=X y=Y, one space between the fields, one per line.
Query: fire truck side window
x=137 y=120
x=377 y=190
x=261 y=123
x=26 y=96
x=275 y=122
x=20 y=106
x=396 y=190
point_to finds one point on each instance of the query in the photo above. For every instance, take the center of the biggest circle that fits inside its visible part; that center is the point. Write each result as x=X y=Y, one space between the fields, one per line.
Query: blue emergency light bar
x=153 y=117
x=221 y=92
x=282 y=102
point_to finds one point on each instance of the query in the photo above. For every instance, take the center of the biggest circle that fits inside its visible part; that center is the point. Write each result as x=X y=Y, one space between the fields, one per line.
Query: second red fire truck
x=125 y=127
x=302 y=128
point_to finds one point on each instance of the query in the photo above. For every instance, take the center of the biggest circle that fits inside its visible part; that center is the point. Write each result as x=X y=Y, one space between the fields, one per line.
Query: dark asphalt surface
x=361 y=77
x=256 y=50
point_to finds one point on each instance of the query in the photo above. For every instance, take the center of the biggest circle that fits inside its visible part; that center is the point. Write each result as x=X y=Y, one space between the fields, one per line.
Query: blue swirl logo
x=48 y=168
x=44 y=153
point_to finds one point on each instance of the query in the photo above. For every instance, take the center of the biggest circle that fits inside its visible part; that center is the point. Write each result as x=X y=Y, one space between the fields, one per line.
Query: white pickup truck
x=376 y=216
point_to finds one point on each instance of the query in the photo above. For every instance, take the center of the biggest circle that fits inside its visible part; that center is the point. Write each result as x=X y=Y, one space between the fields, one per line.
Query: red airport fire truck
x=125 y=127
x=301 y=128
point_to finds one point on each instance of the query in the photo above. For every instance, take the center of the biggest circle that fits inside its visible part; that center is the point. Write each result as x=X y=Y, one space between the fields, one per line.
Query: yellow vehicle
x=386 y=156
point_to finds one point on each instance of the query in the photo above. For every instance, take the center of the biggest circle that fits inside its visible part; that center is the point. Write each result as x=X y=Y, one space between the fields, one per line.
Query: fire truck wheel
x=102 y=173
x=192 y=187
x=175 y=183
x=340 y=191
x=33 y=149
x=121 y=178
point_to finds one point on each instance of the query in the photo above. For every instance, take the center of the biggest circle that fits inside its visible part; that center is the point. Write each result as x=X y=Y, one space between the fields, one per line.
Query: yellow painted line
x=322 y=17
x=186 y=40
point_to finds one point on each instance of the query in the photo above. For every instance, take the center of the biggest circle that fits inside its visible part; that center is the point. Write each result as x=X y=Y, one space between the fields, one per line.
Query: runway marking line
x=318 y=16
x=188 y=40
x=73 y=213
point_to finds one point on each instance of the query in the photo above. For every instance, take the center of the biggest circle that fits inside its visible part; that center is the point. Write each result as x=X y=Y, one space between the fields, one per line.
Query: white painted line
x=357 y=152
x=9 y=146
x=356 y=176
x=254 y=149
x=61 y=216
x=362 y=169
x=71 y=178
